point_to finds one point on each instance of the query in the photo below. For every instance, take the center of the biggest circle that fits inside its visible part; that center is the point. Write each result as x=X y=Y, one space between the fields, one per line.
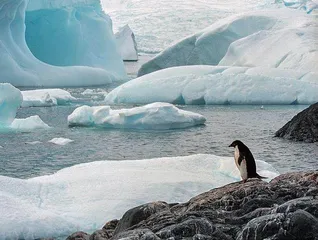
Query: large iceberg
x=219 y=85
x=76 y=32
x=284 y=39
x=46 y=97
x=126 y=43
x=85 y=196
x=10 y=101
x=156 y=116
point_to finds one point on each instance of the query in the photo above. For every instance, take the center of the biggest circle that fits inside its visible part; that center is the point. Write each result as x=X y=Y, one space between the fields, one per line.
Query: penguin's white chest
x=242 y=167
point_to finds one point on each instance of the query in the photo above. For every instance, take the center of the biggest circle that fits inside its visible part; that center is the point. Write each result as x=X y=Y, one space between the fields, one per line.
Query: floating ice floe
x=61 y=141
x=156 y=116
x=10 y=101
x=29 y=124
x=219 y=85
x=33 y=143
x=75 y=37
x=85 y=196
x=126 y=43
x=46 y=97
x=97 y=91
x=283 y=38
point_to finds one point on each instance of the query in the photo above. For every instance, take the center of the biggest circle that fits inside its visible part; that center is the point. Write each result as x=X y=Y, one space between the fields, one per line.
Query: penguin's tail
x=260 y=177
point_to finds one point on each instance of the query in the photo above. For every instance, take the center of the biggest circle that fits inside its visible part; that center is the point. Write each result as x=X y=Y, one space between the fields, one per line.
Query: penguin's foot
x=244 y=181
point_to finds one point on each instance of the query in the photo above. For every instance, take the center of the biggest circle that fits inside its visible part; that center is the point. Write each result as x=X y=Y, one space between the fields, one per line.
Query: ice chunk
x=51 y=35
x=61 y=141
x=219 y=85
x=28 y=124
x=86 y=195
x=33 y=143
x=283 y=38
x=157 y=116
x=95 y=92
x=125 y=40
x=306 y=5
x=46 y=97
x=10 y=101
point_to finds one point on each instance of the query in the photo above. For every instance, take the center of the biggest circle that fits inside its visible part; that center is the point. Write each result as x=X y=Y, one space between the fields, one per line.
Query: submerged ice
x=85 y=196
x=52 y=29
x=156 y=116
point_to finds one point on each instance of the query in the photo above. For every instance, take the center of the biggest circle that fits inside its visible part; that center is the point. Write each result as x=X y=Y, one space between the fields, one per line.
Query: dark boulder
x=302 y=127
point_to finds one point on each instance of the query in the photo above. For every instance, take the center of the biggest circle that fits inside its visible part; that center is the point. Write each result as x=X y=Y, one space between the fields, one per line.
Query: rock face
x=284 y=209
x=303 y=127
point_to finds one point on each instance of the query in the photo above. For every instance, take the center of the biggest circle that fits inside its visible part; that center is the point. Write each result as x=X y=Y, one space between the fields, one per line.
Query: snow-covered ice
x=284 y=39
x=46 y=97
x=219 y=85
x=156 y=116
x=29 y=124
x=307 y=5
x=126 y=43
x=61 y=141
x=10 y=101
x=85 y=196
x=60 y=27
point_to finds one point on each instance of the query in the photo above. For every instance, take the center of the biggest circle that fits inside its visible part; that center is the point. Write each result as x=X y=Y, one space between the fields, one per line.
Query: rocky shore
x=286 y=208
x=302 y=127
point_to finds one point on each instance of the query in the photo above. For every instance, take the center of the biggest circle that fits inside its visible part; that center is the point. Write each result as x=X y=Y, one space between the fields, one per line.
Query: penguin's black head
x=236 y=143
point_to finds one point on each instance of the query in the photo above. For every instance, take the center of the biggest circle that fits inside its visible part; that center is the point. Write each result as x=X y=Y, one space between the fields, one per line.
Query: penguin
x=244 y=161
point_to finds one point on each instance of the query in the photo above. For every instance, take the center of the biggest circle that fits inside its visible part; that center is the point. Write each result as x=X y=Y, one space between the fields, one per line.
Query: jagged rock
x=302 y=127
x=138 y=214
x=78 y=236
x=284 y=209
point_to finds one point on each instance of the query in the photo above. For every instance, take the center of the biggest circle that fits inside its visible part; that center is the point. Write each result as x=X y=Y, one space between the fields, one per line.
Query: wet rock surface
x=284 y=209
x=302 y=127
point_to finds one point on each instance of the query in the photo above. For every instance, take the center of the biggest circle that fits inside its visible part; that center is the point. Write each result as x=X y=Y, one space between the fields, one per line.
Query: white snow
x=68 y=36
x=29 y=124
x=156 y=116
x=219 y=85
x=126 y=43
x=10 y=101
x=46 y=97
x=61 y=141
x=284 y=39
x=85 y=196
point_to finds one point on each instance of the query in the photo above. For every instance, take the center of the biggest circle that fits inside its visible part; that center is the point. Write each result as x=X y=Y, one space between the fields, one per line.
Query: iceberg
x=155 y=116
x=10 y=101
x=58 y=23
x=85 y=196
x=219 y=85
x=29 y=124
x=283 y=39
x=46 y=97
x=126 y=43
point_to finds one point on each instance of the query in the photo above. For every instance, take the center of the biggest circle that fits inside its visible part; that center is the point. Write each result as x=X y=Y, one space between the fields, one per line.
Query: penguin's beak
x=231 y=145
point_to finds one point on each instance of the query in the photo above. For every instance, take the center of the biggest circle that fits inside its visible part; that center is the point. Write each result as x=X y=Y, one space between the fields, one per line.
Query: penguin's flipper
x=240 y=159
